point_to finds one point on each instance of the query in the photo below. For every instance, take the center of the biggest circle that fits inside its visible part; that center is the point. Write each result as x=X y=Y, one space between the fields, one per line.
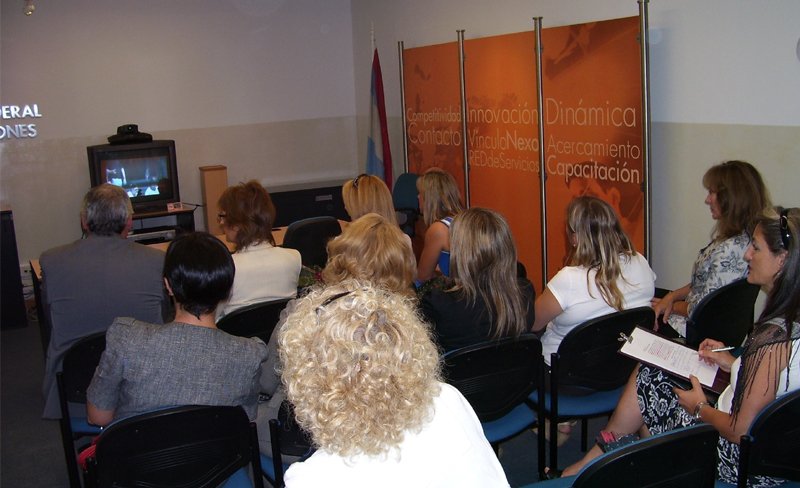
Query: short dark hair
x=249 y=207
x=200 y=270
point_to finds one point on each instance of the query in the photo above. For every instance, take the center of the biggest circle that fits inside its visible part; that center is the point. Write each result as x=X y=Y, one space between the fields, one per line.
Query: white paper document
x=673 y=357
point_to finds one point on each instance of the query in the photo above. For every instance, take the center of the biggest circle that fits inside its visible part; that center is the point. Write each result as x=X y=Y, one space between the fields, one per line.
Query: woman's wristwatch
x=699 y=407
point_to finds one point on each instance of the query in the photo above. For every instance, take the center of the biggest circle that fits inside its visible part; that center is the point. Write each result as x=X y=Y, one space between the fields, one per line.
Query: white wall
x=278 y=90
x=264 y=87
x=725 y=84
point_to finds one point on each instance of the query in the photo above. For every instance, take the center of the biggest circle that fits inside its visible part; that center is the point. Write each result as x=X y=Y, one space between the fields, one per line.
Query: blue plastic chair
x=496 y=377
x=588 y=374
x=726 y=314
x=196 y=445
x=682 y=458
x=406 y=201
x=771 y=446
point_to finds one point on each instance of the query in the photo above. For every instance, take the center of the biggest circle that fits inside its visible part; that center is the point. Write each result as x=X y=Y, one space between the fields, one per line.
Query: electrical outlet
x=25 y=275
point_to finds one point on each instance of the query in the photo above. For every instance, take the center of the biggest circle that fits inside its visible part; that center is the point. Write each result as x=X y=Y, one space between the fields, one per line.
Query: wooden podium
x=213 y=181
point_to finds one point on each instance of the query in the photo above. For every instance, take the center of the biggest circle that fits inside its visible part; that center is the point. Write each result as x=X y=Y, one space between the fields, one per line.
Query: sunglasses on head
x=786 y=235
x=330 y=300
x=355 y=180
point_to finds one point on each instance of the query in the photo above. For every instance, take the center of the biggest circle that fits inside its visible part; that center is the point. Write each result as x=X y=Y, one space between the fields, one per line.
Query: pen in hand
x=720 y=349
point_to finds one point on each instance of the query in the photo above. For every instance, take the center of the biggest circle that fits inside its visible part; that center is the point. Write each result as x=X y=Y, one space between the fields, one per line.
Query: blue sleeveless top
x=444 y=256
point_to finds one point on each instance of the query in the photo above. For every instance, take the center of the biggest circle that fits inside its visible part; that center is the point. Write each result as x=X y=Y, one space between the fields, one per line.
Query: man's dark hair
x=199 y=269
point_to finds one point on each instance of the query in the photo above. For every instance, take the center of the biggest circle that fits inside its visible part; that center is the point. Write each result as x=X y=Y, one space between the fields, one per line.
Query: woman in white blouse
x=263 y=271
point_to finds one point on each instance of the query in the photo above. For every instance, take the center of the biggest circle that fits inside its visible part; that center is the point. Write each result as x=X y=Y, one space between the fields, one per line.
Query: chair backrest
x=496 y=376
x=588 y=356
x=78 y=367
x=256 y=320
x=197 y=446
x=287 y=437
x=404 y=194
x=683 y=458
x=310 y=237
x=772 y=444
x=726 y=314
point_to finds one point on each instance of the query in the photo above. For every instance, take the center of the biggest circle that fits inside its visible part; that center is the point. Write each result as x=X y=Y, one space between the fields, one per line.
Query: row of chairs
x=205 y=446
x=587 y=373
x=687 y=457
x=81 y=360
x=587 y=360
x=504 y=385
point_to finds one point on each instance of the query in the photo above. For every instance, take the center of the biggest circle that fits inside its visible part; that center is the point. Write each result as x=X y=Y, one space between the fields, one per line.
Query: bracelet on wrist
x=699 y=407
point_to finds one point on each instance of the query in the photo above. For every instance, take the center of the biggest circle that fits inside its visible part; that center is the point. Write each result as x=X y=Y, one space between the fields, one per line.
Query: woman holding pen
x=768 y=367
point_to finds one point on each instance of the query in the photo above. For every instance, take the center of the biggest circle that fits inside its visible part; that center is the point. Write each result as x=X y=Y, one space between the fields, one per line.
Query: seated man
x=88 y=283
x=186 y=362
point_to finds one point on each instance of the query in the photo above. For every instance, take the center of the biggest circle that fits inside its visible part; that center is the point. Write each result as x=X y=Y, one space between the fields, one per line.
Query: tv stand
x=161 y=225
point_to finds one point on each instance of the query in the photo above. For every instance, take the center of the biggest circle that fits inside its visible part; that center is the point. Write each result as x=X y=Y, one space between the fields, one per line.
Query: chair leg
x=584 y=434
x=71 y=458
x=274 y=432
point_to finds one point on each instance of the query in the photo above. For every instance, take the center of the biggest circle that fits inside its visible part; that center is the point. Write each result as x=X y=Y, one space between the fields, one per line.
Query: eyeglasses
x=328 y=301
x=221 y=217
x=355 y=180
x=786 y=235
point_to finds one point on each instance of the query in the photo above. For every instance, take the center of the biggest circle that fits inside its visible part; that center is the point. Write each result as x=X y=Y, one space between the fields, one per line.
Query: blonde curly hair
x=359 y=366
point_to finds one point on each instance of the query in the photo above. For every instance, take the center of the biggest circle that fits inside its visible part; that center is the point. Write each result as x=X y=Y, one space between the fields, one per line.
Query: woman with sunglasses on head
x=369 y=194
x=264 y=271
x=364 y=377
x=371 y=249
x=736 y=197
x=439 y=202
x=768 y=367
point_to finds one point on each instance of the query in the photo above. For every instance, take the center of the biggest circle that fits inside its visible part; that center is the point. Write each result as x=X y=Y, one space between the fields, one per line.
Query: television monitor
x=148 y=172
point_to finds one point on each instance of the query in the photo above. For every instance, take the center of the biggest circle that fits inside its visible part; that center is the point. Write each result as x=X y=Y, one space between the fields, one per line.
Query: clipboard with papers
x=676 y=359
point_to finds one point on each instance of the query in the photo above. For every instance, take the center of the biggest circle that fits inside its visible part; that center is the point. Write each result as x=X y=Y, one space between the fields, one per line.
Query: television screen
x=147 y=172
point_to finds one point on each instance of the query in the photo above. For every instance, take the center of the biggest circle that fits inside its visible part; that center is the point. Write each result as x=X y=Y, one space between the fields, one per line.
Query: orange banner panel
x=593 y=125
x=433 y=109
x=502 y=136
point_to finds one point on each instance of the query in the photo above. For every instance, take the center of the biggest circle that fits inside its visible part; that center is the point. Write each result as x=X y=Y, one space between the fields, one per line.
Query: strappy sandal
x=551 y=474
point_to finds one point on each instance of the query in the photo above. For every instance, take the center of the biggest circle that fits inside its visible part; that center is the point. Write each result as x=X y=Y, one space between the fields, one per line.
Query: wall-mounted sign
x=14 y=124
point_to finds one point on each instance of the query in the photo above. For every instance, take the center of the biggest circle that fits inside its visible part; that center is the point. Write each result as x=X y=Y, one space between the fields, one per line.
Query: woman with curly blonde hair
x=359 y=366
x=372 y=249
x=439 y=202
